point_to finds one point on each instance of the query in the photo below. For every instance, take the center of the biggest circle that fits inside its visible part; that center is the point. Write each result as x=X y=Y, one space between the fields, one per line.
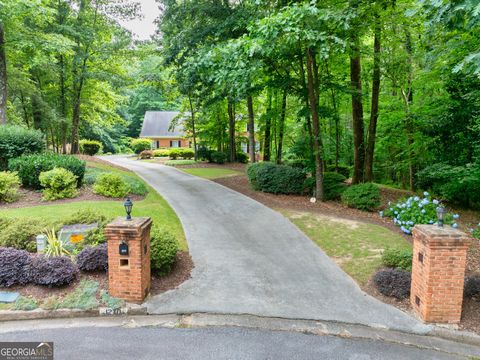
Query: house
x=157 y=126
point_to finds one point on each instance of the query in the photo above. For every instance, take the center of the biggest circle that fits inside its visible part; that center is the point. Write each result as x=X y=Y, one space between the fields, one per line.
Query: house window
x=158 y=144
x=174 y=143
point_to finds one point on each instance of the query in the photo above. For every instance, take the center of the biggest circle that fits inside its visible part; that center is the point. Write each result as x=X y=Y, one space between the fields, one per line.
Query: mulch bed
x=28 y=198
x=471 y=307
x=181 y=272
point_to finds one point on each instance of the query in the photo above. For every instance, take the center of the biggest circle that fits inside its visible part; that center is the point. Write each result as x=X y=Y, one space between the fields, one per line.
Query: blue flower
x=456 y=216
x=423 y=211
x=455 y=225
x=426 y=193
x=391 y=209
x=420 y=205
x=430 y=222
x=416 y=198
x=435 y=201
x=381 y=214
x=396 y=212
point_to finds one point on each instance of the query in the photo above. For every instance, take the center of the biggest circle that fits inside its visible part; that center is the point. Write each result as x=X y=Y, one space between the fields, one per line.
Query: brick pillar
x=438 y=271
x=129 y=275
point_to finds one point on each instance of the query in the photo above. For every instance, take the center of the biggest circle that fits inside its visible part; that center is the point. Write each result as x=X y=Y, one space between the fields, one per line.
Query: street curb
x=41 y=314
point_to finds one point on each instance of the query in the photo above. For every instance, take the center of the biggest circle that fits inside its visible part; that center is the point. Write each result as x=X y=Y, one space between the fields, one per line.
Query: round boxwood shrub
x=164 y=248
x=93 y=258
x=218 y=157
x=280 y=179
x=242 y=157
x=20 y=233
x=53 y=271
x=29 y=167
x=187 y=153
x=362 y=196
x=399 y=259
x=58 y=183
x=16 y=141
x=111 y=185
x=14 y=266
x=9 y=184
x=90 y=147
x=161 y=153
x=252 y=171
x=204 y=153
x=174 y=153
x=393 y=282
x=139 y=145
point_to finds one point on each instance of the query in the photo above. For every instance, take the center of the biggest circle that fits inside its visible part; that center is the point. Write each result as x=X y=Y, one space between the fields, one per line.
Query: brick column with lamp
x=129 y=274
x=438 y=272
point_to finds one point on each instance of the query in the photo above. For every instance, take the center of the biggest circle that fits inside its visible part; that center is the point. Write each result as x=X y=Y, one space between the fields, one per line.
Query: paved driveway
x=249 y=259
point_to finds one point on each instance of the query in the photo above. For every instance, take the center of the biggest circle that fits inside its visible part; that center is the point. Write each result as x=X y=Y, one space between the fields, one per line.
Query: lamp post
x=440 y=215
x=128 y=204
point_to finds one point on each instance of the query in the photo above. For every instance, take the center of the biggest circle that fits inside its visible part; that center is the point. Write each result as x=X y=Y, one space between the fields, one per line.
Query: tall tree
x=3 y=77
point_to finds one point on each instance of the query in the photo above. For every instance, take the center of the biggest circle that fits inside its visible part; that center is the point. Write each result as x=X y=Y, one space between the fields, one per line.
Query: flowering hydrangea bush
x=416 y=210
x=476 y=232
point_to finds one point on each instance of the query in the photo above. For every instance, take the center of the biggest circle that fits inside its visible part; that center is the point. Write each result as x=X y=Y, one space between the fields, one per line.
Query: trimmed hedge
x=53 y=271
x=16 y=141
x=362 y=196
x=139 y=145
x=161 y=153
x=399 y=259
x=276 y=179
x=242 y=157
x=218 y=157
x=58 y=183
x=93 y=258
x=111 y=185
x=164 y=249
x=14 y=266
x=393 y=282
x=29 y=167
x=9 y=184
x=90 y=147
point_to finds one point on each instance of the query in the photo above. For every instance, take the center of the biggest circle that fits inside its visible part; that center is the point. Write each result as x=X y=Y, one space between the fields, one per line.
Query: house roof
x=156 y=124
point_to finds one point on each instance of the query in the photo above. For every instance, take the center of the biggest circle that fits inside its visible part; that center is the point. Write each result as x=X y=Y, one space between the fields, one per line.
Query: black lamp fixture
x=440 y=215
x=128 y=204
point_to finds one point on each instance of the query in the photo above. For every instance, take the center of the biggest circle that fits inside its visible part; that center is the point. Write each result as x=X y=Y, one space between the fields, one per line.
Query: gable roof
x=156 y=124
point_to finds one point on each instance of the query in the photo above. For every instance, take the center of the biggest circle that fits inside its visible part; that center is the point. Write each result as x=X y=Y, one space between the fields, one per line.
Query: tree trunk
x=3 y=78
x=63 y=105
x=194 y=133
x=281 y=128
x=75 y=123
x=268 y=125
x=357 y=110
x=231 y=131
x=372 y=127
x=317 y=141
x=251 y=129
x=408 y=99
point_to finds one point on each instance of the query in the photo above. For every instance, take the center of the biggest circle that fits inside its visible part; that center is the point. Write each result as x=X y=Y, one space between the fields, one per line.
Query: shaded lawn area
x=355 y=246
x=211 y=173
x=153 y=206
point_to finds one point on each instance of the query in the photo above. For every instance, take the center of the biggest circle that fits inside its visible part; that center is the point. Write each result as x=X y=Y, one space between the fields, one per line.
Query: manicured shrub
x=29 y=167
x=14 y=266
x=472 y=286
x=456 y=184
x=362 y=196
x=93 y=258
x=393 y=282
x=86 y=216
x=90 y=147
x=53 y=271
x=174 y=153
x=139 y=145
x=187 y=153
x=204 y=153
x=161 y=153
x=9 y=184
x=21 y=233
x=242 y=157
x=58 y=183
x=16 y=141
x=91 y=175
x=342 y=169
x=164 y=248
x=398 y=259
x=218 y=157
x=252 y=171
x=111 y=185
x=136 y=186
x=280 y=179
x=415 y=210
x=146 y=154
x=333 y=185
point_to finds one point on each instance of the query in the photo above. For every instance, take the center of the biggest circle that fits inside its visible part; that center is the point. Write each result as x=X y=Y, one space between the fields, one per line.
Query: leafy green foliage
x=333 y=185
x=90 y=147
x=110 y=301
x=58 y=183
x=84 y=297
x=186 y=153
x=87 y=216
x=9 y=184
x=21 y=234
x=180 y=162
x=174 y=153
x=164 y=248
x=25 y=303
x=397 y=259
x=139 y=145
x=29 y=167
x=362 y=196
x=111 y=185
x=16 y=141
x=161 y=153
x=54 y=246
x=276 y=179
x=218 y=157
x=242 y=157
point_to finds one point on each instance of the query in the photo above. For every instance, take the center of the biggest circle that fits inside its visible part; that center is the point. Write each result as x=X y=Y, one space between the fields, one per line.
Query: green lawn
x=355 y=246
x=153 y=206
x=211 y=173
